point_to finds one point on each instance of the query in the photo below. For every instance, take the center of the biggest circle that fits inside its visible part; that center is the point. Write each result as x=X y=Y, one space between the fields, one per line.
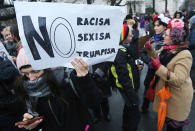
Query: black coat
x=122 y=71
x=71 y=114
x=191 y=39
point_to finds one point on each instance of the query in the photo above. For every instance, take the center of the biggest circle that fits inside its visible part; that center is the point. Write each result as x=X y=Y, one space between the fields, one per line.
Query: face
x=8 y=36
x=177 y=16
x=31 y=74
x=158 y=28
x=167 y=39
x=129 y=37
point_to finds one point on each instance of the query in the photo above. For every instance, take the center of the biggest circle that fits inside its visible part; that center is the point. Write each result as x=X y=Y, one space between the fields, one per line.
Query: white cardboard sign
x=53 y=34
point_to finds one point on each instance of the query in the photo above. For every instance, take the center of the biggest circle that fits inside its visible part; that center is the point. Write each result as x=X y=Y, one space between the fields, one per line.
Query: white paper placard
x=53 y=34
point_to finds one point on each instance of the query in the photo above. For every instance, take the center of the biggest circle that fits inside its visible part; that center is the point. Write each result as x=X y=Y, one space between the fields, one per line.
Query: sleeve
x=181 y=71
x=88 y=93
x=122 y=71
x=191 y=39
x=144 y=57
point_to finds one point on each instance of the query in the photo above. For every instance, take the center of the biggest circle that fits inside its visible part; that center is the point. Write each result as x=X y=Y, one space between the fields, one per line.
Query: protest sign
x=53 y=34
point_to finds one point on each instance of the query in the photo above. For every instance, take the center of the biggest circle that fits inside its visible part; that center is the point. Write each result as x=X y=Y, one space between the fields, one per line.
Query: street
x=148 y=120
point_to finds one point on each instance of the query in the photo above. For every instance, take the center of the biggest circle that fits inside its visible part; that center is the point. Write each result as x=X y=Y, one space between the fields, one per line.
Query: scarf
x=158 y=37
x=35 y=90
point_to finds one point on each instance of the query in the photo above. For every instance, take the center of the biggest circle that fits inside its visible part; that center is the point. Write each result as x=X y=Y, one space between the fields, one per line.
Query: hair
x=179 y=35
x=128 y=17
x=54 y=86
x=6 y=29
x=14 y=31
x=178 y=12
x=160 y=22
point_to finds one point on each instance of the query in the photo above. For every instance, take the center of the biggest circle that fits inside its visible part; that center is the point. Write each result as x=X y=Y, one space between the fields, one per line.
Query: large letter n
x=31 y=34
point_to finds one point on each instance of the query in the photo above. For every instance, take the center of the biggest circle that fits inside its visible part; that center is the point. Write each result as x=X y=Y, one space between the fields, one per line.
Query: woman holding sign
x=57 y=103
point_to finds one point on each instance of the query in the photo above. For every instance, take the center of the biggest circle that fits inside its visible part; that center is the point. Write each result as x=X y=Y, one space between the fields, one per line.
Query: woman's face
x=178 y=16
x=158 y=28
x=167 y=38
x=31 y=74
x=8 y=36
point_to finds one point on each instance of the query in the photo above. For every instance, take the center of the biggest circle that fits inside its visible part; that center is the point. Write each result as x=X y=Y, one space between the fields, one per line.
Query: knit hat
x=7 y=69
x=176 y=23
x=165 y=20
x=192 y=20
x=22 y=59
x=177 y=32
x=124 y=32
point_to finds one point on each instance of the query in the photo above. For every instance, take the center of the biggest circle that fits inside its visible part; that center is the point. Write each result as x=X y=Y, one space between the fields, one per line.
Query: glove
x=148 y=44
x=155 y=62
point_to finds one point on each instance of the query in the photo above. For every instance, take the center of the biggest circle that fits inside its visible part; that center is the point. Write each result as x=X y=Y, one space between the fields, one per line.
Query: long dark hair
x=55 y=87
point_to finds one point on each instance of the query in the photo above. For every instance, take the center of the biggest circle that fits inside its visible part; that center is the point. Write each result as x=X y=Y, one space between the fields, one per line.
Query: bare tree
x=166 y=5
x=115 y=3
x=153 y=3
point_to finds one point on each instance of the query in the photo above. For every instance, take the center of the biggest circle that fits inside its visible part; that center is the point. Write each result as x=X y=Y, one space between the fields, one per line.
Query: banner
x=53 y=34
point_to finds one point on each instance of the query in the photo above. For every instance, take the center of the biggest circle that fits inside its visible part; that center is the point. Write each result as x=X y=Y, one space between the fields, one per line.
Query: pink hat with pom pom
x=22 y=59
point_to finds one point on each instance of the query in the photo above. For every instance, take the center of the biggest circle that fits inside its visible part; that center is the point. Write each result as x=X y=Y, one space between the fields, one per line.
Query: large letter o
x=66 y=36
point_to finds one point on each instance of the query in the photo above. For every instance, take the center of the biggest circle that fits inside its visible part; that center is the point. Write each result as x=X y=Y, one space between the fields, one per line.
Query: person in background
x=191 y=39
x=101 y=76
x=172 y=69
x=185 y=16
x=11 y=106
x=142 y=24
x=178 y=15
x=160 y=25
x=123 y=80
x=15 y=34
x=62 y=101
x=167 y=14
x=1 y=33
x=9 y=43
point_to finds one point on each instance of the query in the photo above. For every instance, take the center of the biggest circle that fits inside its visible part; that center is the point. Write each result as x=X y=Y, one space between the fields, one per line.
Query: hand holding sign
x=81 y=67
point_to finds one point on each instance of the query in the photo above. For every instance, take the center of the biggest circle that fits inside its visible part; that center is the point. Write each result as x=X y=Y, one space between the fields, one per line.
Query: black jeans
x=131 y=114
x=131 y=118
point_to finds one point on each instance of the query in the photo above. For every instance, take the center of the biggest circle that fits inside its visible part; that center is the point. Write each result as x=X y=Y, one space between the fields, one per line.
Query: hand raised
x=81 y=67
x=148 y=44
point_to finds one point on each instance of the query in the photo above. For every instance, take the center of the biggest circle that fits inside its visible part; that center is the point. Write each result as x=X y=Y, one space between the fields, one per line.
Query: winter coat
x=11 y=48
x=101 y=76
x=123 y=75
x=192 y=43
x=71 y=114
x=12 y=107
x=180 y=83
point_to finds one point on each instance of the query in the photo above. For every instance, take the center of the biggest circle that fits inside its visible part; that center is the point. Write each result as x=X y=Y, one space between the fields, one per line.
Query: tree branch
x=117 y=4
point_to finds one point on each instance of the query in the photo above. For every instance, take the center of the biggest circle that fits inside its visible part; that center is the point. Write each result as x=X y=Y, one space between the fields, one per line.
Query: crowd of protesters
x=64 y=99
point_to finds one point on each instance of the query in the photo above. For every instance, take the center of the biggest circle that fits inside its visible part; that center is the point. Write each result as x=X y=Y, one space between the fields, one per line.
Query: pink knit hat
x=22 y=59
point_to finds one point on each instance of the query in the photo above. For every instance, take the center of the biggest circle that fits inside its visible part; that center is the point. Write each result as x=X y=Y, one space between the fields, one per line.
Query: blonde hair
x=6 y=29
